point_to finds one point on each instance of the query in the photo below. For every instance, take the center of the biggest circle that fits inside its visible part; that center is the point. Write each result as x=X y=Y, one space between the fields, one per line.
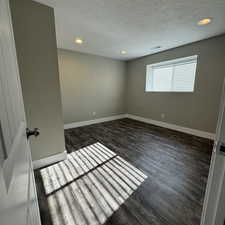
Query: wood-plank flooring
x=176 y=164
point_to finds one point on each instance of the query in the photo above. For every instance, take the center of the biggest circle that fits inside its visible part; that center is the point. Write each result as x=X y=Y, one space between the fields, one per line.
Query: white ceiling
x=109 y=26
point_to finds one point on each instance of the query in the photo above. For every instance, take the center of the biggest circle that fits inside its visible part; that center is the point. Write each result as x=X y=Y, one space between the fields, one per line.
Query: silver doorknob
x=35 y=132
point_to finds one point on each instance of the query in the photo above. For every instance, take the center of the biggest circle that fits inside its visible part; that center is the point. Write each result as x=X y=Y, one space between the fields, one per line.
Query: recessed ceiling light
x=79 y=41
x=205 y=21
x=123 y=52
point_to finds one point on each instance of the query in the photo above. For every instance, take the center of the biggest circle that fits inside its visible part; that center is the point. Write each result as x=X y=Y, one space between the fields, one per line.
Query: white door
x=18 y=200
x=214 y=204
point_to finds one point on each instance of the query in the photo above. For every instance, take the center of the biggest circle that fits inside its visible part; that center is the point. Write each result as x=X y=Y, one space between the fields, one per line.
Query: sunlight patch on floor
x=89 y=186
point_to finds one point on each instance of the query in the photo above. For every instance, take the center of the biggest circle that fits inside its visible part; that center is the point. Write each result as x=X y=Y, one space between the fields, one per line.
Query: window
x=172 y=76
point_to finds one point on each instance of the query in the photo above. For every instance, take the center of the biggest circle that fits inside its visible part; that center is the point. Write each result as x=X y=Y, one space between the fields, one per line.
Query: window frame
x=178 y=61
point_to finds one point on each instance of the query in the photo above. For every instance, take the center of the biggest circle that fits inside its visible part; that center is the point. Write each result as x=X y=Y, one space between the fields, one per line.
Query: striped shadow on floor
x=89 y=186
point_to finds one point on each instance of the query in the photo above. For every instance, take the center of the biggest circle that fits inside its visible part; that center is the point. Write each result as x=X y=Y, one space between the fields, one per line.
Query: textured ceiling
x=138 y=26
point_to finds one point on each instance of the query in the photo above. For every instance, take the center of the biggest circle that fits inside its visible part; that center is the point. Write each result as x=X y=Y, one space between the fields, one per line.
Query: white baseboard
x=49 y=160
x=89 y=122
x=187 y=130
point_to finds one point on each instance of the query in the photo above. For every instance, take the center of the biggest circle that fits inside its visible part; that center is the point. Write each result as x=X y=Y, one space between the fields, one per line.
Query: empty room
x=112 y=112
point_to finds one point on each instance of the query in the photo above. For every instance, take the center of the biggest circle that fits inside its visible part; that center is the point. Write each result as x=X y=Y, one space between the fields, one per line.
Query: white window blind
x=172 y=76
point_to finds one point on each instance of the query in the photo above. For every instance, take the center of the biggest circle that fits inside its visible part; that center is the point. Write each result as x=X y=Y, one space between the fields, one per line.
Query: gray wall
x=198 y=110
x=34 y=31
x=91 y=84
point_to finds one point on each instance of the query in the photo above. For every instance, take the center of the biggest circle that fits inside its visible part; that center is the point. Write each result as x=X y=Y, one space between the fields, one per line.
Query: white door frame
x=214 y=204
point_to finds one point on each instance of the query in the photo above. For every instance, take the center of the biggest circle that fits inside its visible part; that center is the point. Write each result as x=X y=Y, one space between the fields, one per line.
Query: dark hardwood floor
x=176 y=164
